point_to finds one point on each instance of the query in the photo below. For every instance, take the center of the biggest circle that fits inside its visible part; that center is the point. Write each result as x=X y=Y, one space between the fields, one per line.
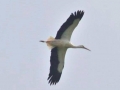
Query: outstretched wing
x=67 y=28
x=57 y=64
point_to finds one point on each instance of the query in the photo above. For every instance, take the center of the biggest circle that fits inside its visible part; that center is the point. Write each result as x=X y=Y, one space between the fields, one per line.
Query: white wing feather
x=61 y=56
x=68 y=32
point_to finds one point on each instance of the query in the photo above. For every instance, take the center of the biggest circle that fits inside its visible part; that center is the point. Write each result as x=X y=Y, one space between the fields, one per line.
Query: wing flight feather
x=57 y=64
x=68 y=27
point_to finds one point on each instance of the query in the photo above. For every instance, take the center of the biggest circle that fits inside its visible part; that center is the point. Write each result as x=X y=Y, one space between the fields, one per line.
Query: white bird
x=60 y=44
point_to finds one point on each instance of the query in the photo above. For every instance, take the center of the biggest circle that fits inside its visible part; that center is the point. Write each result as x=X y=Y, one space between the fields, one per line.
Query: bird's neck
x=76 y=46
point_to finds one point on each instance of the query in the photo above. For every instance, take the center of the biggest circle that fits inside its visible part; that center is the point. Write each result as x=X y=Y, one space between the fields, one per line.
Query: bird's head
x=81 y=46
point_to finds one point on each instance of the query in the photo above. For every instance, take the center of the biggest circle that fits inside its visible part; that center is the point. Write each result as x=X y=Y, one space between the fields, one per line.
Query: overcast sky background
x=24 y=61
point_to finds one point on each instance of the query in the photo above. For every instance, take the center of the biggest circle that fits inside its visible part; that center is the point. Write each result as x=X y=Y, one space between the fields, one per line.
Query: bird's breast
x=59 y=43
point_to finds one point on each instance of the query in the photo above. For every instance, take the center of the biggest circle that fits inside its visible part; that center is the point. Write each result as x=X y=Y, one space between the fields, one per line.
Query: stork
x=60 y=44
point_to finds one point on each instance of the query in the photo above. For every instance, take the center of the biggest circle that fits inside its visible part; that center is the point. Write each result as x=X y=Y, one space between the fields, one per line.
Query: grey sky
x=24 y=61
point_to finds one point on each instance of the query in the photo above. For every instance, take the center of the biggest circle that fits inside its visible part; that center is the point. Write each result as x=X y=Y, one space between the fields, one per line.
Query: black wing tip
x=54 y=79
x=52 y=82
x=78 y=12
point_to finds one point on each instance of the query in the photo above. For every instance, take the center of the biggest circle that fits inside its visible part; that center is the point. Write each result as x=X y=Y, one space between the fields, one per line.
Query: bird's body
x=60 y=44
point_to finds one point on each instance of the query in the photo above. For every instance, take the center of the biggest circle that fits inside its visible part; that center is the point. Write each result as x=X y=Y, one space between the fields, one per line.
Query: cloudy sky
x=24 y=61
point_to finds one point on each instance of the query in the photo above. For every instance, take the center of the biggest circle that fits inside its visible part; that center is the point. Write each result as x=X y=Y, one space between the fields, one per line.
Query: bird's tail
x=50 y=38
x=48 y=42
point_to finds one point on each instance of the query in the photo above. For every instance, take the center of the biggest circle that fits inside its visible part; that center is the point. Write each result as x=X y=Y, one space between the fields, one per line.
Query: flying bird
x=60 y=44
